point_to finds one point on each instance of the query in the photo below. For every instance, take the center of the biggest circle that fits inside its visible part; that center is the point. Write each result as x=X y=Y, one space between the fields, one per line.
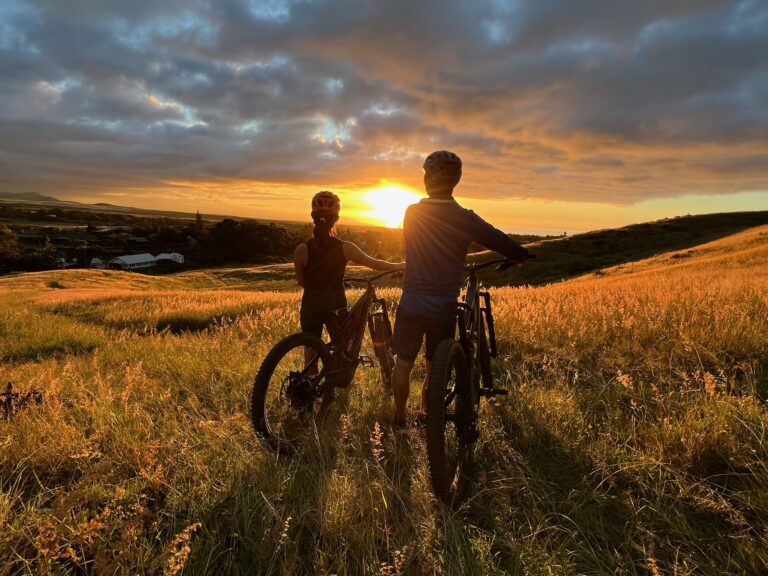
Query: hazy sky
x=568 y=114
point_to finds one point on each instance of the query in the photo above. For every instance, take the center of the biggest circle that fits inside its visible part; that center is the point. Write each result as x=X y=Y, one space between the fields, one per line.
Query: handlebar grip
x=512 y=262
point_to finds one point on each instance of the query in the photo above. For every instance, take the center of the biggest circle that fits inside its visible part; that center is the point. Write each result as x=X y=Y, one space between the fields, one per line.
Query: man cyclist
x=437 y=233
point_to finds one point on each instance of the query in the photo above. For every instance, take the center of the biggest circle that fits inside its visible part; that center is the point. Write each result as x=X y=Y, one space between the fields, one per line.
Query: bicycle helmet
x=442 y=170
x=326 y=202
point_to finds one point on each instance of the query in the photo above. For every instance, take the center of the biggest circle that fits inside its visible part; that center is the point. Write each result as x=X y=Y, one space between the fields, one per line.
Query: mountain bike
x=296 y=382
x=459 y=378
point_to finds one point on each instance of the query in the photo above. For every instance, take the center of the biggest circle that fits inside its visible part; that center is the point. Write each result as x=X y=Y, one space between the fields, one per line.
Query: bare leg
x=401 y=387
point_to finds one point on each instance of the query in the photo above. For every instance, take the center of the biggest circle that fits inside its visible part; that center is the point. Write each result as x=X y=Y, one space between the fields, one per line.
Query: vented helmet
x=326 y=202
x=442 y=170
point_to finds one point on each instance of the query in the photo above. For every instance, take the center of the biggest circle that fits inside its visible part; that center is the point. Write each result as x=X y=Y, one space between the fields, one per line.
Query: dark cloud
x=552 y=99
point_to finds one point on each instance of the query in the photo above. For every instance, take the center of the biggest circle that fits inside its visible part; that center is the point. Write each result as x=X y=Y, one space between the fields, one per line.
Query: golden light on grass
x=388 y=204
x=646 y=381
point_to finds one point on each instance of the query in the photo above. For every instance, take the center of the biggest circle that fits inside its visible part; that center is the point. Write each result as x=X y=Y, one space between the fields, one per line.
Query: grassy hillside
x=584 y=253
x=633 y=441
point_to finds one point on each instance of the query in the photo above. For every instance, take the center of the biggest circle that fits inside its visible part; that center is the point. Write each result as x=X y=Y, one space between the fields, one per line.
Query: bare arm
x=353 y=254
x=300 y=257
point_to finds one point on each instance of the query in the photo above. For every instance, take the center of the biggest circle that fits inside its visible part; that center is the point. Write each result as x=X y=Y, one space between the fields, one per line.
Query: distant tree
x=82 y=252
x=168 y=235
x=9 y=247
x=248 y=241
x=199 y=228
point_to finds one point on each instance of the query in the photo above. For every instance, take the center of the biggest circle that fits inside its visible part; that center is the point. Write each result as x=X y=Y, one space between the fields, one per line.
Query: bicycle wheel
x=449 y=413
x=382 y=346
x=285 y=396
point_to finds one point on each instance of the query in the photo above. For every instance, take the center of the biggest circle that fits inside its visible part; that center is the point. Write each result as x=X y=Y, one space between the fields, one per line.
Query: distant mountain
x=27 y=197
x=51 y=202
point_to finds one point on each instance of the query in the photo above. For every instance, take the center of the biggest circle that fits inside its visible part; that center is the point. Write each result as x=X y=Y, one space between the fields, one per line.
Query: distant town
x=43 y=233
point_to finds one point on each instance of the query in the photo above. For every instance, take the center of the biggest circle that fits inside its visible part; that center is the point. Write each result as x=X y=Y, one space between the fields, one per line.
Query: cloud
x=616 y=101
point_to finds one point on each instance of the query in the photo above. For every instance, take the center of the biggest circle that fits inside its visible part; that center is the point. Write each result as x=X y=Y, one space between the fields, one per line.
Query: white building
x=133 y=262
x=175 y=256
x=97 y=263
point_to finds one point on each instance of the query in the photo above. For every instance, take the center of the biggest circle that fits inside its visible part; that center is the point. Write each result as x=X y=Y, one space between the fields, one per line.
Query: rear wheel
x=449 y=418
x=286 y=392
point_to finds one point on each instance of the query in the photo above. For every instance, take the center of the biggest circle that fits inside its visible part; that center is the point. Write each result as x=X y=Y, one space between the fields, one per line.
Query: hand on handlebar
x=514 y=261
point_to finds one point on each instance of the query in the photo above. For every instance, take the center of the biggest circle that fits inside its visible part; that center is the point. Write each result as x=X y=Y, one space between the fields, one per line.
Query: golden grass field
x=633 y=441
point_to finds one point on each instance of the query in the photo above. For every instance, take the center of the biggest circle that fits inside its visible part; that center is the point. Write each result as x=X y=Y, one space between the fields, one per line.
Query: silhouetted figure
x=438 y=233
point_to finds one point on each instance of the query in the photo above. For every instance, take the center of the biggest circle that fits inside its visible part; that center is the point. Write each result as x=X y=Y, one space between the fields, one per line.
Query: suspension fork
x=486 y=309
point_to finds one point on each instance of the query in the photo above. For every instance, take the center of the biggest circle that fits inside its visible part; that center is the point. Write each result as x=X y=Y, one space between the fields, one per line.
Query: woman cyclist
x=320 y=263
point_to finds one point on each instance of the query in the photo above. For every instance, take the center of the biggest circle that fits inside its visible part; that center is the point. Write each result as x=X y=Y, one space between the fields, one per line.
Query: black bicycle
x=296 y=382
x=460 y=377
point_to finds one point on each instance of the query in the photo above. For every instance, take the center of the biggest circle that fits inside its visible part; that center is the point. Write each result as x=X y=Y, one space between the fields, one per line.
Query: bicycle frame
x=345 y=352
x=360 y=316
x=471 y=329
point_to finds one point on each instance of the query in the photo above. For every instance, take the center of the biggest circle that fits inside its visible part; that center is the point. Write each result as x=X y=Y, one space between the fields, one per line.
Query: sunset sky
x=568 y=115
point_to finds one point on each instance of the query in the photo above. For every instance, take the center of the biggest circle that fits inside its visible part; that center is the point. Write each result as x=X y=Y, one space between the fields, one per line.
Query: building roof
x=135 y=258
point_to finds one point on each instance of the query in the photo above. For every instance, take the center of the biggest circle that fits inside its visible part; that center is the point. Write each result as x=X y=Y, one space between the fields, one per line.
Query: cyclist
x=438 y=232
x=320 y=263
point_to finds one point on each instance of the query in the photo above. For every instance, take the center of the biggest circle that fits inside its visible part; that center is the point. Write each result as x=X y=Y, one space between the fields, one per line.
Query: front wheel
x=289 y=391
x=449 y=424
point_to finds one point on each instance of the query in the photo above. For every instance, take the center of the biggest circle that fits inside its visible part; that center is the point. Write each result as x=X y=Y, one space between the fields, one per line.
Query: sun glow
x=388 y=204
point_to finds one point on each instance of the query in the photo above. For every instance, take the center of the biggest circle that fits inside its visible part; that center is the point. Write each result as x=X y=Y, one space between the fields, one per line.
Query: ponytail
x=324 y=228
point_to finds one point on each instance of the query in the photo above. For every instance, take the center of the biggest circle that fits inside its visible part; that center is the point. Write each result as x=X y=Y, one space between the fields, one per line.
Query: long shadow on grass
x=593 y=526
x=272 y=519
x=176 y=323
x=613 y=522
x=280 y=516
x=37 y=352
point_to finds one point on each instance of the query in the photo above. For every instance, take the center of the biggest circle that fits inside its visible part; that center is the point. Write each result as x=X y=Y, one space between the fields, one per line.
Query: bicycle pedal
x=366 y=361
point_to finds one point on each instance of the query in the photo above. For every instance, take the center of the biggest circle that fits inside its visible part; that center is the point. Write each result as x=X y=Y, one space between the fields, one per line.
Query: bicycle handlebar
x=503 y=263
x=372 y=279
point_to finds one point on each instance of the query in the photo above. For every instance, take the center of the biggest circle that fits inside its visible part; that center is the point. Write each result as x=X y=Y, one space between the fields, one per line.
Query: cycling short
x=312 y=321
x=410 y=330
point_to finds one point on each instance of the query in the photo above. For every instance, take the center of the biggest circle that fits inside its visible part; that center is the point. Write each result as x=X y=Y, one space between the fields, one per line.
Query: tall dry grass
x=633 y=441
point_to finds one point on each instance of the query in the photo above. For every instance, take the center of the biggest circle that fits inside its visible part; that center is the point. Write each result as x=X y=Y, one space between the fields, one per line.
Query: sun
x=388 y=204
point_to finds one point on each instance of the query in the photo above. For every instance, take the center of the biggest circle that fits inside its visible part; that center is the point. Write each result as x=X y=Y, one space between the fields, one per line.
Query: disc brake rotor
x=299 y=390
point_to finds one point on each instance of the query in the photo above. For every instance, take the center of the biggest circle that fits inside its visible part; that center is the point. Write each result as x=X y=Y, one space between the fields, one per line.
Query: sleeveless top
x=324 y=276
